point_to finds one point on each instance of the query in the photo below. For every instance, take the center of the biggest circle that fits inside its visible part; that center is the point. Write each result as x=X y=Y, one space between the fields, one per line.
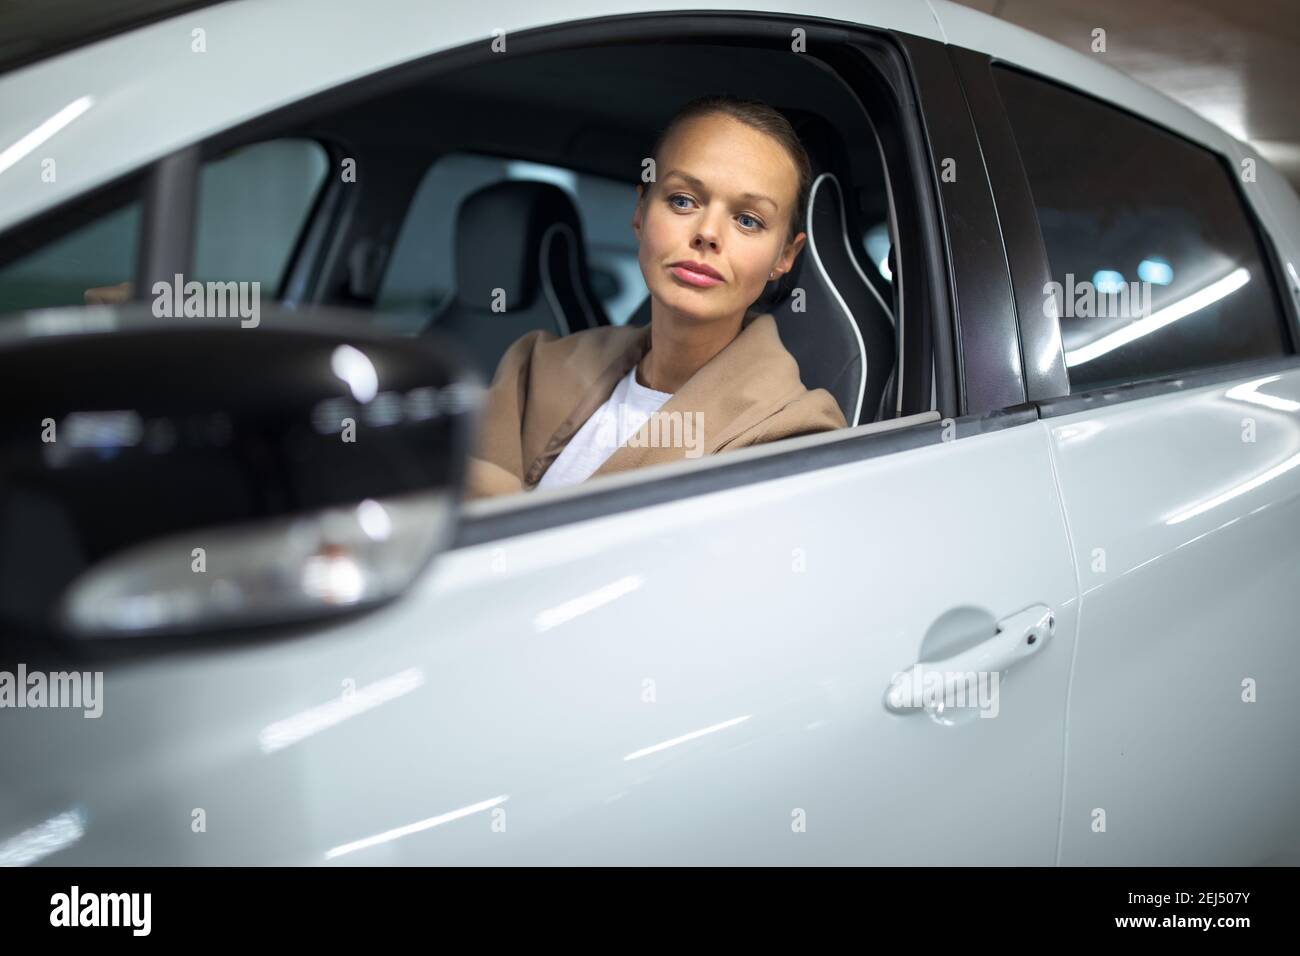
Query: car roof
x=101 y=116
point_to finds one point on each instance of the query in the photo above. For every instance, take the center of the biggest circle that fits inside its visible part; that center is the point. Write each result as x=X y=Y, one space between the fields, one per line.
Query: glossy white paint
x=1184 y=534
x=518 y=674
x=1278 y=208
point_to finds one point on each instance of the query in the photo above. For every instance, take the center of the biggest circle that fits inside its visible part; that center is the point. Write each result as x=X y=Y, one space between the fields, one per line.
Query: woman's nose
x=706 y=237
x=708 y=233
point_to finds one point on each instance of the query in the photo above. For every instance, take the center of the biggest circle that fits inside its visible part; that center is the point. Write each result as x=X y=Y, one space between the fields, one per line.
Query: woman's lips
x=691 y=277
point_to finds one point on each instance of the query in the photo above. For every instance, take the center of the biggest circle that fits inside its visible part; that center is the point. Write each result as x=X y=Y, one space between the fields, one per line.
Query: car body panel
x=1183 y=526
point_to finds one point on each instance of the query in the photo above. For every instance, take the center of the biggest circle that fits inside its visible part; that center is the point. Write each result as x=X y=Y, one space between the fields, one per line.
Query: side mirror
x=184 y=475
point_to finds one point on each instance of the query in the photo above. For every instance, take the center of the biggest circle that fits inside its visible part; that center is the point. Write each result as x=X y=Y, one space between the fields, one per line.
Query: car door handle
x=1018 y=636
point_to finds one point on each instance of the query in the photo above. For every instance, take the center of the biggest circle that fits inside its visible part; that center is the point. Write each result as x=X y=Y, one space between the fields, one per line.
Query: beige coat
x=546 y=387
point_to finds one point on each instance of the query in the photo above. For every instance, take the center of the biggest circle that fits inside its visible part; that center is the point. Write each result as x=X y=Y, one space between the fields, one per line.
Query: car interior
x=536 y=158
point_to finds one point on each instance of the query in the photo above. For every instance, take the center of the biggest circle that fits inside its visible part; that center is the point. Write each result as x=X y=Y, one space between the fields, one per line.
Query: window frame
x=1040 y=335
x=951 y=271
x=981 y=347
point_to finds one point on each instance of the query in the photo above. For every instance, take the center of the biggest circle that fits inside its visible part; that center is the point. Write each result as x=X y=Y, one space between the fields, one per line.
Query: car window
x=419 y=277
x=251 y=206
x=97 y=254
x=1158 y=268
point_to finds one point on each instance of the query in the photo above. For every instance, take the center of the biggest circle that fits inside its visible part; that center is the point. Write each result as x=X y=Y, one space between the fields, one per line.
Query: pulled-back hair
x=757 y=115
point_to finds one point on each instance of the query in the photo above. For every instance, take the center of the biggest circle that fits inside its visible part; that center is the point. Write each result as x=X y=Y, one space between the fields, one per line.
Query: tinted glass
x=252 y=205
x=1159 y=269
x=100 y=253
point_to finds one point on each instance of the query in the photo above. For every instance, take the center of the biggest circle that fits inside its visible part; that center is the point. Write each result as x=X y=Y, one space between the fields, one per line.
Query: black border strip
x=983 y=303
x=925 y=308
x=1041 y=353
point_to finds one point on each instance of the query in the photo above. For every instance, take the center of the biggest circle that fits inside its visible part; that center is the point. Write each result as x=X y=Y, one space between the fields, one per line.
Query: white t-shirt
x=628 y=407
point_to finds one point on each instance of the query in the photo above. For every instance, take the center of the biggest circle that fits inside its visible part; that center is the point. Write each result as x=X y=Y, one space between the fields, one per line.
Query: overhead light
x=1107 y=281
x=1155 y=271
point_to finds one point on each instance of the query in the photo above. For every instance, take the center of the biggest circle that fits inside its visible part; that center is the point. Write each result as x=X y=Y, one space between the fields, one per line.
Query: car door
x=847 y=648
x=1175 y=450
x=698 y=681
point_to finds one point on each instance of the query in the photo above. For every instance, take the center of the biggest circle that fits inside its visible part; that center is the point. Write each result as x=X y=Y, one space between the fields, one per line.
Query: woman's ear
x=789 y=254
x=636 y=212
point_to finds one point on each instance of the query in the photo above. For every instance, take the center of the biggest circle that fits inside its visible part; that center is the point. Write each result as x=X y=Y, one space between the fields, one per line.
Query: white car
x=1036 y=605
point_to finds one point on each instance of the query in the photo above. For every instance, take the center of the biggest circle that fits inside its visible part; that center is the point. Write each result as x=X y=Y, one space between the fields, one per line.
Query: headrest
x=500 y=231
x=843 y=339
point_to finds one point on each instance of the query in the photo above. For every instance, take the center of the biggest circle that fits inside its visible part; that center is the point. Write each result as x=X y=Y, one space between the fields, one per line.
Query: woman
x=718 y=221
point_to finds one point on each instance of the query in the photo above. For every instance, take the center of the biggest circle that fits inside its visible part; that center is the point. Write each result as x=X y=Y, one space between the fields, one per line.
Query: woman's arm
x=496 y=464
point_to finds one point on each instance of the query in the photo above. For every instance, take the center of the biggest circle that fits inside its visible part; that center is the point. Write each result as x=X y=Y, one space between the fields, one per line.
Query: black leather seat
x=524 y=238
x=844 y=339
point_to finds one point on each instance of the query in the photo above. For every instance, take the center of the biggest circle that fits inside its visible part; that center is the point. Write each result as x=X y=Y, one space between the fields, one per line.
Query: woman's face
x=723 y=197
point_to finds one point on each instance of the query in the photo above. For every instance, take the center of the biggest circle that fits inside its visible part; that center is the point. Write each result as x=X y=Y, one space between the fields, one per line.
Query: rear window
x=1158 y=269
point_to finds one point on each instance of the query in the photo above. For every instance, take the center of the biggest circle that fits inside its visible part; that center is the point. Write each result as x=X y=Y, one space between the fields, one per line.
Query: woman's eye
x=756 y=224
x=676 y=196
